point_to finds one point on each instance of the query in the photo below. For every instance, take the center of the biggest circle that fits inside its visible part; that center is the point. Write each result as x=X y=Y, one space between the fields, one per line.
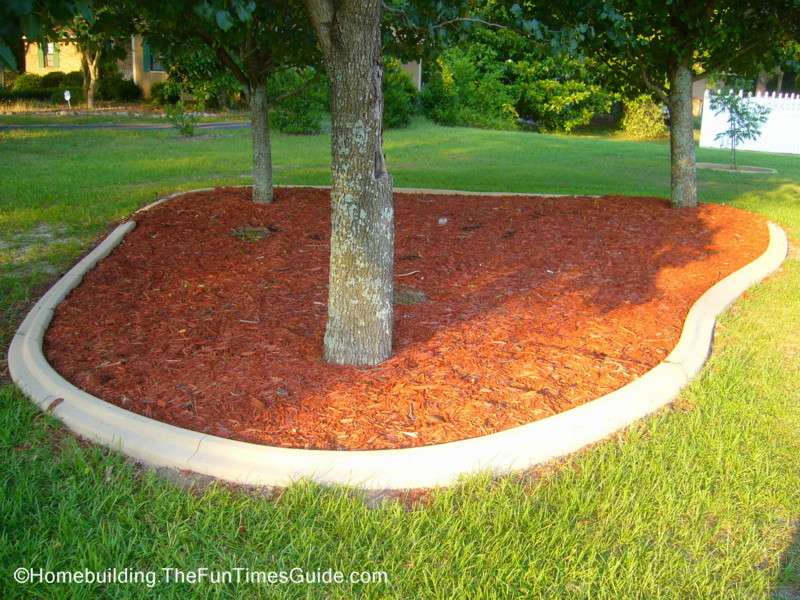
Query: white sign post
x=67 y=97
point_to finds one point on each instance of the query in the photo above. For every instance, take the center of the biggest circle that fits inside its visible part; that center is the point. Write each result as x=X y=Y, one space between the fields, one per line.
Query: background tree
x=744 y=116
x=250 y=40
x=669 y=45
x=97 y=38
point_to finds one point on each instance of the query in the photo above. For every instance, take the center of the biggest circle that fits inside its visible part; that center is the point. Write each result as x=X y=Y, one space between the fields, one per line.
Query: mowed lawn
x=699 y=501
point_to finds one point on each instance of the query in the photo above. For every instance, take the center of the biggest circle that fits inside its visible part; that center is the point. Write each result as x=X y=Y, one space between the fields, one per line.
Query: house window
x=150 y=62
x=155 y=64
x=50 y=55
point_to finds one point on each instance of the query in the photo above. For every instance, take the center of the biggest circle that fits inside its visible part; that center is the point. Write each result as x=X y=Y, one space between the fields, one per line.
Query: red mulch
x=535 y=305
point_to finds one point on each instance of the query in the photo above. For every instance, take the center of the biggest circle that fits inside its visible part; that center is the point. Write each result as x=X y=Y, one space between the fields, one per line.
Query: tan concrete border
x=164 y=445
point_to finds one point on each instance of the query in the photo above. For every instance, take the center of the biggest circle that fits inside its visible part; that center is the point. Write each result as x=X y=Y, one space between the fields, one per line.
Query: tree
x=360 y=310
x=745 y=119
x=95 y=37
x=669 y=45
x=250 y=40
x=33 y=19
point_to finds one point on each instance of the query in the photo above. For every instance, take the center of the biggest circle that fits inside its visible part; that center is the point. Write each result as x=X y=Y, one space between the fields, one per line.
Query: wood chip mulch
x=522 y=308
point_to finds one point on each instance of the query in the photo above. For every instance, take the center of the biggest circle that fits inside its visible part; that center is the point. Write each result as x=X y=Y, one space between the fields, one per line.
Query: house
x=414 y=70
x=139 y=64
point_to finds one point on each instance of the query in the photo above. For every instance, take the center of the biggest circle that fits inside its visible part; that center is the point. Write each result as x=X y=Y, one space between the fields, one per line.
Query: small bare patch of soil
x=532 y=306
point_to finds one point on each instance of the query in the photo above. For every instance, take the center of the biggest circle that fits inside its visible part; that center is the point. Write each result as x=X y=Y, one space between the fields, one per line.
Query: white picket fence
x=781 y=132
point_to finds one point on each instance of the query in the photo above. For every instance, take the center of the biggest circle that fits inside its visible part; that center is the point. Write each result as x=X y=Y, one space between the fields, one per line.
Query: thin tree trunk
x=86 y=77
x=360 y=310
x=94 y=67
x=682 y=151
x=761 y=83
x=262 y=149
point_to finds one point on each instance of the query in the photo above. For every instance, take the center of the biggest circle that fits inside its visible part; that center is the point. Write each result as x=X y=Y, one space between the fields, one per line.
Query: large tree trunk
x=262 y=150
x=360 y=311
x=681 y=142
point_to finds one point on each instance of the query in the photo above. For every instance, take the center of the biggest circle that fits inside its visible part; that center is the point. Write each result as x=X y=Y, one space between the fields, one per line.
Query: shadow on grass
x=787 y=585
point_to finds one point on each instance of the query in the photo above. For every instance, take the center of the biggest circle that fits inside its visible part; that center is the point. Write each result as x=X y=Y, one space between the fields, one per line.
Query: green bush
x=72 y=80
x=165 y=92
x=183 y=121
x=213 y=93
x=27 y=82
x=14 y=95
x=303 y=112
x=467 y=88
x=556 y=94
x=399 y=95
x=643 y=119
x=53 y=79
x=500 y=79
x=118 y=89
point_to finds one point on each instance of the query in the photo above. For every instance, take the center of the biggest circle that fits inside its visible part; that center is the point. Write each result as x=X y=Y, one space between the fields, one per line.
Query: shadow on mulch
x=533 y=306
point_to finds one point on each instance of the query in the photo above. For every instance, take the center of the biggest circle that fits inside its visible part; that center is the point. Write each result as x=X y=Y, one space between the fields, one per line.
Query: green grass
x=700 y=501
x=111 y=116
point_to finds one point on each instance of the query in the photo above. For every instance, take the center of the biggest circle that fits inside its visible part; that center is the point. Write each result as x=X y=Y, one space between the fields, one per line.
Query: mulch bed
x=210 y=315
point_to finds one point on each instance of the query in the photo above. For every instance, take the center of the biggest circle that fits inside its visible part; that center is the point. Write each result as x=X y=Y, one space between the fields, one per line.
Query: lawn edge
x=163 y=445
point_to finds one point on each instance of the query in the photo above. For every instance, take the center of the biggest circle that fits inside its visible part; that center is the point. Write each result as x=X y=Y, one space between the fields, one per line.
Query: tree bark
x=681 y=128
x=262 y=148
x=93 y=66
x=360 y=309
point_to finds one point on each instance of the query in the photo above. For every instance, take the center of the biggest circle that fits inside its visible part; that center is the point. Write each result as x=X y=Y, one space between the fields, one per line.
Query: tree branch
x=660 y=91
x=297 y=90
x=443 y=24
x=224 y=57
x=321 y=13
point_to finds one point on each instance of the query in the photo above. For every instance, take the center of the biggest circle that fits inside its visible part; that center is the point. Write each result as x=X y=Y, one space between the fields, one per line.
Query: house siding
x=142 y=75
x=69 y=59
x=130 y=67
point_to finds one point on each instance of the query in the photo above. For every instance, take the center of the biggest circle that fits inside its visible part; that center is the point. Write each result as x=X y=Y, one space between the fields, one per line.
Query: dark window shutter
x=56 y=55
x=41 y=54
x=145 y=56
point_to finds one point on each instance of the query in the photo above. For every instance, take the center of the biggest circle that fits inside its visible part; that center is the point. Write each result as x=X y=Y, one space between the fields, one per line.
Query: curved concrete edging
x=164 y=445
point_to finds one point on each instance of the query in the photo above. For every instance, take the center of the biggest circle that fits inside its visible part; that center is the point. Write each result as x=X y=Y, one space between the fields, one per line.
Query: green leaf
x=224 y=20
x=7 y=57
x=84 y=10
x=245 y=11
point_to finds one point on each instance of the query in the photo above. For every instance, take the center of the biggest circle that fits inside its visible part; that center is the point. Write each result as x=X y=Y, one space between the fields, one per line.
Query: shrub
x=556 y=94
x=8 y=78
x=53 y=79
x=643 y=119
x=165 y=92
x=14 y=95
x=27 y=82
x=467 y=88
x=399 y=95
x=183 y=121
x=72 y=80
x=214 y=92
x=119 y=89
x=303 y=112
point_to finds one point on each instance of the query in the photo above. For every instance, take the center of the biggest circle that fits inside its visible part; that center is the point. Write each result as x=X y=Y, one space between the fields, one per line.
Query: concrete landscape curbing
x=163 y=445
